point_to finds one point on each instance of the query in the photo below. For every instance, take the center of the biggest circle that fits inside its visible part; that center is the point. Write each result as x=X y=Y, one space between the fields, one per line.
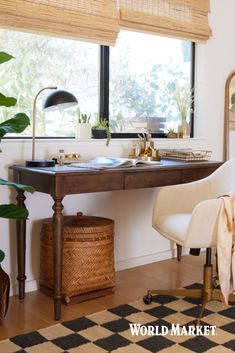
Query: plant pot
x=99 y=134
x=172 y=135
x=4 y=292
x=83 y=131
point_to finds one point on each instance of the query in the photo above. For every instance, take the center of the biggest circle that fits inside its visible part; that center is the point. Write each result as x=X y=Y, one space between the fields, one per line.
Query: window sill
x=97 y=141
x=120 y=146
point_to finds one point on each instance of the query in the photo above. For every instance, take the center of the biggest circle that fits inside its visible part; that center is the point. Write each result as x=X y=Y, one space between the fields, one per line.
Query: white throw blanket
x=226 y=246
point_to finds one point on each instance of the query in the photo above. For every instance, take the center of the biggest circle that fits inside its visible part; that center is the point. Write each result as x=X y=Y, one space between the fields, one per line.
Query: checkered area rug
x=109 y=330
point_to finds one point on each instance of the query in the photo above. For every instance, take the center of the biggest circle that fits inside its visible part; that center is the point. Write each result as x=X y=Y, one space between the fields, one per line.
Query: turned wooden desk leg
x=57 y=254
x=21 y=246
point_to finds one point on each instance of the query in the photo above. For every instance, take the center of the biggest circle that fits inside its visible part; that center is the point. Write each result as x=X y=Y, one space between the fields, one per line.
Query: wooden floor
x=36 y=310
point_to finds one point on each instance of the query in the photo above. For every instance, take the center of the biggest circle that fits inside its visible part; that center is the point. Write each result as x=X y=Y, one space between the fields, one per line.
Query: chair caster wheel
x=147 y=299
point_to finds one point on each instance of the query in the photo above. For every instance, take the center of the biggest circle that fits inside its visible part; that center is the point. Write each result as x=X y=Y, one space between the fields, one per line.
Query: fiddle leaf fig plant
x=7 y=101
x=17 y=124
x=4 y=57
x=12 y=211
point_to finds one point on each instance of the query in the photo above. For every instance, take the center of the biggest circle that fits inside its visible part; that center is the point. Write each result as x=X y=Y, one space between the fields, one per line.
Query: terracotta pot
x=4 y=292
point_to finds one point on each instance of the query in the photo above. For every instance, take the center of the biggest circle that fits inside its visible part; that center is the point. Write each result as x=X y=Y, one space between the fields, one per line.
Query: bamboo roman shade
x=99 y=21
x=93 y=20
x=185 y=19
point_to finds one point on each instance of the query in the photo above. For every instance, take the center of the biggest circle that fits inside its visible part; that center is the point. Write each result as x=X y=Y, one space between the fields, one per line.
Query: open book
x=109 y=163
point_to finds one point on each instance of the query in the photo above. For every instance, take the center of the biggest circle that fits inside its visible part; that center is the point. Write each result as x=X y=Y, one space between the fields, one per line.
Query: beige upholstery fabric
x=174 y=226
x=188 y=213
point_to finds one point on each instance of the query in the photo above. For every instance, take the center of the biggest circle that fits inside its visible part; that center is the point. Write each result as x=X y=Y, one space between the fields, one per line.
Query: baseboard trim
x=30 y=286
x=147 y=259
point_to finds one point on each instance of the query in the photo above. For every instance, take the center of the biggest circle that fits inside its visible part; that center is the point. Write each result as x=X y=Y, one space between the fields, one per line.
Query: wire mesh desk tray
x=185 y=154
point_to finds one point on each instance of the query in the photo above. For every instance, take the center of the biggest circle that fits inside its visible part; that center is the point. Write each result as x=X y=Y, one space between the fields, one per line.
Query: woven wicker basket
x=88 y=257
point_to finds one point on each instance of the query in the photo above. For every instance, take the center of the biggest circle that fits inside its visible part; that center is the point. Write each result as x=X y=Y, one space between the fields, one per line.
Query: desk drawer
x=196 y=174
x=139 y=180
x=94 y=183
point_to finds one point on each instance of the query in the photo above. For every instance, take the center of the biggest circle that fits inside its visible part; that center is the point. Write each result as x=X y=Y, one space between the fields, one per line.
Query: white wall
x=135 y=241
x=214 y=61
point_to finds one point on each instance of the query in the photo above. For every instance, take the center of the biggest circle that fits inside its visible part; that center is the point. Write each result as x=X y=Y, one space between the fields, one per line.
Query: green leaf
x=7 y=101
x=13 y=212
x=2 y=256
x=4 y=57
x=15 y=125
x=16 y=185
x=233 y=98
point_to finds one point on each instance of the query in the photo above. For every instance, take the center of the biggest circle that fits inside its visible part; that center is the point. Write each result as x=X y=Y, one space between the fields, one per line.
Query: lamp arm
x=34 y=118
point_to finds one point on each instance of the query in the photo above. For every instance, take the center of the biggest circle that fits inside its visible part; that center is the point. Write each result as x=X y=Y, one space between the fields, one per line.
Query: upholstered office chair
x=187 y=214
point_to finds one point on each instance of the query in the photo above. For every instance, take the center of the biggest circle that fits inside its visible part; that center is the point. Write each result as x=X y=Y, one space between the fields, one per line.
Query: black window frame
x=104 y=92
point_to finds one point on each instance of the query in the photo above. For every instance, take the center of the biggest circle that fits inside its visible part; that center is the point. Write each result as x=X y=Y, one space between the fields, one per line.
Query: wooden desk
x=61 y=181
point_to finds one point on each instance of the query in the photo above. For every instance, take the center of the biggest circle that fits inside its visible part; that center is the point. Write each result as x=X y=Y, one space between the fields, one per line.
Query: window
x=42 y=61
x=132 y=88
x=145 y=71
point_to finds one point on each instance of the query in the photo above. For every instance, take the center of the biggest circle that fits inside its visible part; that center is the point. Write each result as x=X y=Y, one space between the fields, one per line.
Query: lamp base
x=40 y=163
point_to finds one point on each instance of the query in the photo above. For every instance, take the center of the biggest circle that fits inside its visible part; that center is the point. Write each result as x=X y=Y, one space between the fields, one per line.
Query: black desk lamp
x=56 y=100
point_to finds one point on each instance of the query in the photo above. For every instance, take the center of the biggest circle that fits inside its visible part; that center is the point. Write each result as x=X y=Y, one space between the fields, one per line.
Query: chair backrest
x=183 y=198
x=222 y=181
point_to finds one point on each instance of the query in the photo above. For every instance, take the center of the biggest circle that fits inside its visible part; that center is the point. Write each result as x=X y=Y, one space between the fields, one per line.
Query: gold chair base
x=207 y=293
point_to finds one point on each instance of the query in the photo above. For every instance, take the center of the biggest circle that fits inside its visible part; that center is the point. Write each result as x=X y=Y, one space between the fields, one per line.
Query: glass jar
x=184 y=129
x=61 y=157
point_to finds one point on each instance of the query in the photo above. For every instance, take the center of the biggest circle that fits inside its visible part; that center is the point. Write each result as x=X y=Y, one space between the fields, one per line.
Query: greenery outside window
x=145 y=71
x=42 y=61
x=132 y=87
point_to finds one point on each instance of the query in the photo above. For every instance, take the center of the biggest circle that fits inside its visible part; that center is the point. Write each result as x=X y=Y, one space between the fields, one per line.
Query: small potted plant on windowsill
x=101 y=131
x=171 y=133
x=83 y=127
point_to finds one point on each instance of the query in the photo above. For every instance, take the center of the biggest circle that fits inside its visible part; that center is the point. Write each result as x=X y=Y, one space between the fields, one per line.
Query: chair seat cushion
x=174 y=226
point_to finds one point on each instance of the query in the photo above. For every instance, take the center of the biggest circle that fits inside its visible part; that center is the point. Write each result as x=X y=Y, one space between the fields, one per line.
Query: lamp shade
x=59 y=100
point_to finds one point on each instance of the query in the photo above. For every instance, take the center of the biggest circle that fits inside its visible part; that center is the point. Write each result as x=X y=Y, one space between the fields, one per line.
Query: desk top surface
x=164 y=165
x=60 y=181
